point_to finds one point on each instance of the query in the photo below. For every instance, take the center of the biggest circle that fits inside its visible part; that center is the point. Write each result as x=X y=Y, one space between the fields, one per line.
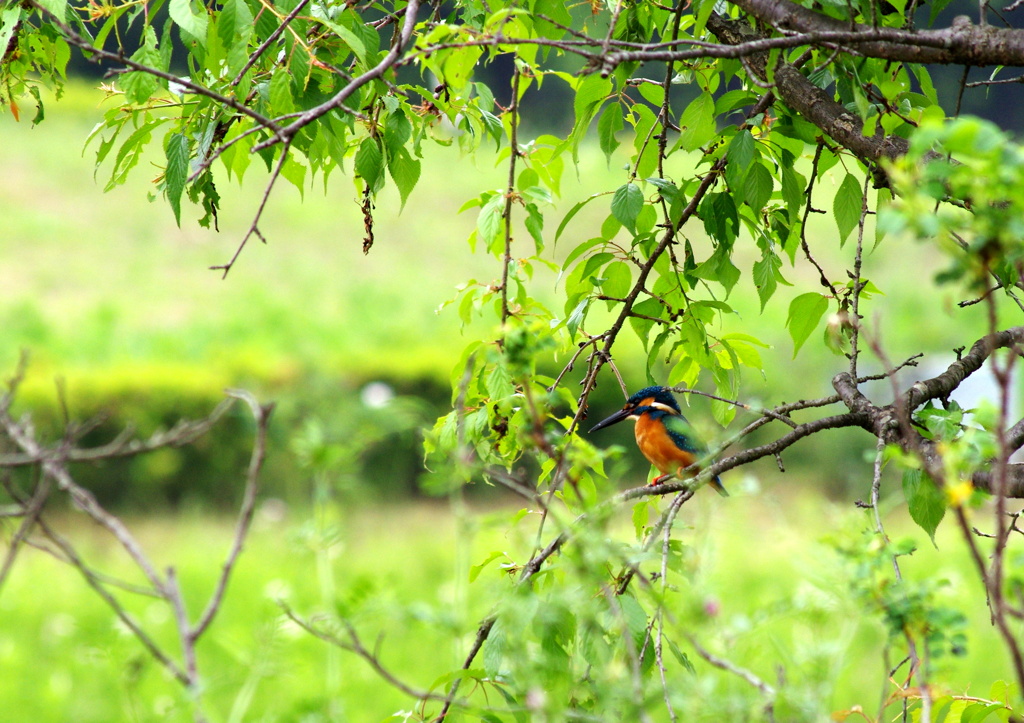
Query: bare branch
x=355 y=645
x=259 y=451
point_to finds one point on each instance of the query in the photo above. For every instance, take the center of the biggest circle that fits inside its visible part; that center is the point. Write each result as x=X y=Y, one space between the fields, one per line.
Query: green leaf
x=176 y=174
x=488 y=223
x=342 y=29
x=397 y=132
x=634 y=615
x=494 y=650
x=805 y=311
x=475 y=570
x=626 y=205
x=681 y=657
x=369 y=162
x=405 y=172
x=765 y=272
x=741 y=150
x=641 y=514
x=57 y=7
x=608 y=125
x=925 y=501
x=458 y=64
x=295 y=173
x=591 y=91
x=499 y=382
x=697 y=123
x=757 y=186
x=846 y=207
x=793 y=185
x=10 y=17
x=191 y=23
x=642 y=326
x=234 y=25
x=576 y=317
x=617 y=279
x=646 y=159
x=535 y=225
x=653 y=93
x=719 y=268
x=280 y=92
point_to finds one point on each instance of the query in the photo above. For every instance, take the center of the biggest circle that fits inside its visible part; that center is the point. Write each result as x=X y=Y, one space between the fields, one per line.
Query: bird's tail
x=716 y=483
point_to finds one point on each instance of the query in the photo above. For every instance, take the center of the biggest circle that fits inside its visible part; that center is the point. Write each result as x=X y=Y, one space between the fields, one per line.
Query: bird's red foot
x=658 y=480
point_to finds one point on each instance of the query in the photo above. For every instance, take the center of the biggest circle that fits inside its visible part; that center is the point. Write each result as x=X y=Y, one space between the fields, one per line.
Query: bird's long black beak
x=614 y=419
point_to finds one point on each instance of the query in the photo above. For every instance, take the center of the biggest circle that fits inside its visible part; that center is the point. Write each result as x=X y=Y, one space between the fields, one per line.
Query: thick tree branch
x=813 y=103
x=961 y=44
x=884 y=421
x=942 y=386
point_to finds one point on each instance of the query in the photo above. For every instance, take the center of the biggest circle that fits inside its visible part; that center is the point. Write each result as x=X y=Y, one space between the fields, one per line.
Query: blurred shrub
x=361 y=435
x=356 y=434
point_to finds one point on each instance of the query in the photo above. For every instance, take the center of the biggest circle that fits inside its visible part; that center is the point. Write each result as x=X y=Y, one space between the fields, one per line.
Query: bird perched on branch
x=664 y=435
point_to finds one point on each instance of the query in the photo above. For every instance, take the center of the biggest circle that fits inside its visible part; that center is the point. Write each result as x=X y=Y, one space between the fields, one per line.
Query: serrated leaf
x=591 y=91
x=608 y=125
x=757 y=186
x=626 y=205
x=57 y=7
x=641 y=514
x=846 y=207
x=488 y=222
x=499 y=382
x=280 y=92
x=348 y=36
x=925 y=501
x=719 y=268
x=765 y=272
x=494 y=649
x=681 y=657
x=741 y=150
x=634 y=615
x=535 y=225
x=405 y=172
x=475 y=570
x=458 y=64
x=617 y=279
x=295 y=173
x=10 y=17
x=653 y=93
x=176 y=173
x=697 y=123
x=397 y=132
x=793 y=185
x=234 y=25
x=642 y=326
x=369 y=162
x=576 y=317
x=646 y=160
x=805 y=311
x=191 y=23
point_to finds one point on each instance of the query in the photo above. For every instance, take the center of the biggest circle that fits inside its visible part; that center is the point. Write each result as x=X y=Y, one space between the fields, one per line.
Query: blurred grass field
x=104 y=291
x=779 y=594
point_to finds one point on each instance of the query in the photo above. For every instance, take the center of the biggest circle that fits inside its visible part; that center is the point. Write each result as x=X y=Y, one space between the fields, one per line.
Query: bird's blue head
x=648 y=399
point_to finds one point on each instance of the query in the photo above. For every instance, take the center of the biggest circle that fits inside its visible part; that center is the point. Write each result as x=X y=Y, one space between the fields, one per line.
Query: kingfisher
x=663 y=434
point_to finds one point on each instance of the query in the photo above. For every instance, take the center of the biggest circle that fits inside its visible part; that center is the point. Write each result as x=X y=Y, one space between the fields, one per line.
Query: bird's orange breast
x=658 y=447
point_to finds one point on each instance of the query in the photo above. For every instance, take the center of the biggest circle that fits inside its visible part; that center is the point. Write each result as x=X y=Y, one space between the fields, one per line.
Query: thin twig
x=261 y=413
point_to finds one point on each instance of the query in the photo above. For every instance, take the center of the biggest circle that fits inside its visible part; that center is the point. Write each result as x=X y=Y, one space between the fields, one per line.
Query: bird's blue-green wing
x=685 y=437
x=683 y=434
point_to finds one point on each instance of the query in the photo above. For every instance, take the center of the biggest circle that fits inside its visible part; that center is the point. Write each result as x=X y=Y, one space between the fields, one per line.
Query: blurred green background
x=117 y=307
